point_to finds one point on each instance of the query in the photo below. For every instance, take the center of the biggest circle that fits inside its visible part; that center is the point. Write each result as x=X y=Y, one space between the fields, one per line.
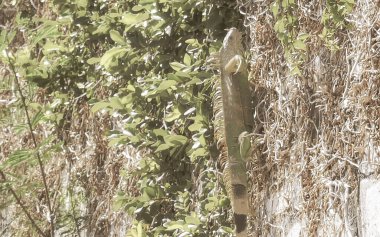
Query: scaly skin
x=237 y=114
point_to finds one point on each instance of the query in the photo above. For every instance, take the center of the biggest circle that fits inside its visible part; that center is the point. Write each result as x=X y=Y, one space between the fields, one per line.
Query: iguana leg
x=245 y=145
x=235 y=65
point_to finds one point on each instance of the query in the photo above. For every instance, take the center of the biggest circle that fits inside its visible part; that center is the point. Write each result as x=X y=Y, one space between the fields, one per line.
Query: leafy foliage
x=333 y=19
x=287 y=30
x=150 y=55
x=293 y=40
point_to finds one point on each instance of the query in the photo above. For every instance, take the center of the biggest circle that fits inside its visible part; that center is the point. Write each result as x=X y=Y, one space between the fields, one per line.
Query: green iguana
x=233 y=116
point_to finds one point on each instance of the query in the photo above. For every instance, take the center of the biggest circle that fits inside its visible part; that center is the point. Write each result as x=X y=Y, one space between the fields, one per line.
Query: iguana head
x=232 y=41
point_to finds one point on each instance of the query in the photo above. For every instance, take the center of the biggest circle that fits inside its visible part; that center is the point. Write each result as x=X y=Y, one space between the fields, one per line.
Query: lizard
x=234 y=118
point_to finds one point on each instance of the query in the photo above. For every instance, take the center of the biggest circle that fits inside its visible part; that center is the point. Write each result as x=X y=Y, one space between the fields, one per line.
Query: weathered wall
x=315 y=168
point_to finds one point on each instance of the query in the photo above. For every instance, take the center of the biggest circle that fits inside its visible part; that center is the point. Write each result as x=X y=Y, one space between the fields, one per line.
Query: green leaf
x=35 y=106
x=151 y=192
x=117 y=140
x=131 y=19
x=163 y=147
x=131 y=88
x=117 y=37
x=274 y=8
x=160 y=132
x=37 y=118
x=17 y=157
x=303 y=36
x=92 y=61
x=81 y=3
x=52 y=47
x=140 y=230
x=115 y=103
x=199 y=152
x=6 y=36
x=147 y=2
x=187 y=60
x=192 y=42
x=279 y=26
x=195 y=127
x=183 y=74
x=210 y=206
x=225 y=229
x=193 y=81
x=174 y=77
x=45 y=32
x=112 y=55
x=177 y=66
x=137 y=8
x=174 y=225
x=102 y=29
x=175 y=140
x=99 y=105
x=20 y=128
x=295 y=71
x=164 y=85
x=173 y=115
x=300 y=45
x=192 y=220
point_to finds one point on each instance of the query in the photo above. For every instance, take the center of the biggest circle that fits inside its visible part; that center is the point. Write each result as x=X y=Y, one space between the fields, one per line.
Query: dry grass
x=317 y=135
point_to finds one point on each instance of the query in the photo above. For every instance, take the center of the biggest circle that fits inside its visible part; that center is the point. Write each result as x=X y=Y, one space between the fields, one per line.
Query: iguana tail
x=233 y=166
x=236 y=183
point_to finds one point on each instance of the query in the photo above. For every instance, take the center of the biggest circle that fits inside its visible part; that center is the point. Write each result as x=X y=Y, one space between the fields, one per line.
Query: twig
x=42 y=170
x=23 y=207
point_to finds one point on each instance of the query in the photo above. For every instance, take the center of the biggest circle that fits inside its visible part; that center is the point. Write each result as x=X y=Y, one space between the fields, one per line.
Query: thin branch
x=42 y=170
x=23 y=207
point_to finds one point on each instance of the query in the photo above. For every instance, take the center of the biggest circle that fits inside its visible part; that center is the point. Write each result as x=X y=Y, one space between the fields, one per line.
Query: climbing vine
x=333 y=19
x=287 y=30
x=293 y=40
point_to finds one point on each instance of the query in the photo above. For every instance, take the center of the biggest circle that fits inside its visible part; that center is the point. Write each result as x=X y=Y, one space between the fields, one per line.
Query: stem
x=23 y=207
x=42 y=170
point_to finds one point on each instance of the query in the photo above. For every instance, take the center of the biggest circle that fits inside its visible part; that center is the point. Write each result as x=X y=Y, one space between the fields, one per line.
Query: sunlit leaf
x=93 y=60
x=99 y=105
x=173 y=115
x=195 y=127
x=117 y=37
x=187 y=60
x=18 y=157
x=45 y=32
x=112 y=55
x=298 y=44
x=131 y=19
x=295 y=71
x=175 y=140
x=192 y=220
x=164 y=85
x=160 y=132
x=275 y=8
x=36 y=118
x=163 y=147
x=115 y=103
x=140 y=230
x=177 y=66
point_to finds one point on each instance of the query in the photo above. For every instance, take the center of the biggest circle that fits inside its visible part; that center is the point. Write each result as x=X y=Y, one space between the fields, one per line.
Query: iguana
x=233 y=119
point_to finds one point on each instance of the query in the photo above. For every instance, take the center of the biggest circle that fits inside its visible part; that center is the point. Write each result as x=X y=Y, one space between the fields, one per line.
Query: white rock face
x=370 y=207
